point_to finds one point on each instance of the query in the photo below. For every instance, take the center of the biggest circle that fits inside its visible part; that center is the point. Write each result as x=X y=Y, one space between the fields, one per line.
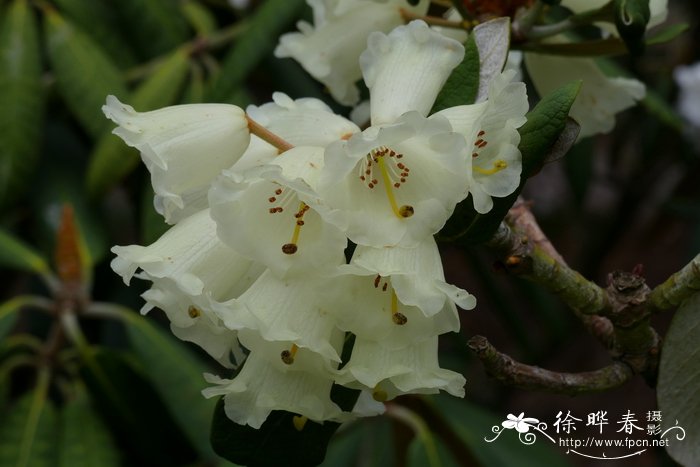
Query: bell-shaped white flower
x=406 y=69
x=416 y=274
x=391 y=372
x=491 y=132
x=193 y=319
x=600 y=97
x=260 y=215
x=184 y=147
x=287 y=310
x=367 y=305
x=396 y=184
x=329 y=50
x=191 y=270
x=262 y=386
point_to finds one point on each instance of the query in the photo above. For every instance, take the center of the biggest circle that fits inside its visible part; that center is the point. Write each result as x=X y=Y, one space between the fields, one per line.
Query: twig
x=505 y=369
x=677 y=288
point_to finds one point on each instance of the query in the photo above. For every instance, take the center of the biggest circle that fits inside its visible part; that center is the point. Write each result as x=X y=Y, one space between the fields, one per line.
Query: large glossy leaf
x=98 y=19
x=28 y=432
x=177 y=377
x=85 y=440
x=368 y=442
x=271 y=18
x=21 y=99
x=16 y=254
x=472 y=424
x=135 y=412
x=112 y=159
x=539 y=142
x=679 y=383
x=155 y=26
x=84 y=74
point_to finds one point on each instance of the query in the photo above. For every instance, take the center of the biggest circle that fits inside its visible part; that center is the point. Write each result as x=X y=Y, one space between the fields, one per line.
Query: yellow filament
x=297 y=226
x=387 y=187
x=293 y=350
x=497 y=167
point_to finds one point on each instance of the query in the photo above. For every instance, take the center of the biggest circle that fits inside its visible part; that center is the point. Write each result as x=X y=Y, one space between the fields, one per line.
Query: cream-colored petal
x=406 y=69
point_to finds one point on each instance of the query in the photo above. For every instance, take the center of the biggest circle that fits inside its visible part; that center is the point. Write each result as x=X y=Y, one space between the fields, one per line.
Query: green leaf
x=21 y=99
x=429 y=452
x=85 y=440
x=84 y=74
x=260 y=38
x=631 y=19
x=493 y=41
x=16 y=254
x=473 y=424
x=367 y=442
x=177 y=377
x=138 y=417
x=462 y=87
x=112 y=159
x=155 y=26
x=540 y=140
x=98 y=19
x=28 y=431
x=678 y=388
x=9 y=312
x=668 y=34
x=200 y=18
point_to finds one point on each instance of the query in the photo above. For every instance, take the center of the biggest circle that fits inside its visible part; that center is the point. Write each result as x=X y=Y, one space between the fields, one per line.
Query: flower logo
x=521 y=424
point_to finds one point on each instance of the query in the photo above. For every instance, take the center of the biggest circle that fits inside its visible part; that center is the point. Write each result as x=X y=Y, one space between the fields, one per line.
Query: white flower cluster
x=254 y=266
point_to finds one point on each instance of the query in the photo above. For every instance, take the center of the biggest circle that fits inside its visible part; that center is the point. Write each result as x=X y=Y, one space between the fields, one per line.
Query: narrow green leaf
x=200 y=18
x=98 y=19
x=668 y=34
x=112 y=159
x=138 y=417
x=84 y=74
x=9 y=312
x=472 y=424
x=85 y=440
x=678 y=388
x=462 y=86
x=155 y=26
x=16 y=254
x=268 y=22
x=177 y=377
x=28 y=432
x=539 y=136
x=21 y=99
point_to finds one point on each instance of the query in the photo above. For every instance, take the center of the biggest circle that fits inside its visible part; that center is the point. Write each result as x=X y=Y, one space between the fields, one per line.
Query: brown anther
x=386 y=284
x=376 y=281
x=406 y=211
x=478 y=142
x=287 y=357
x=397 y=185
x=300 y=222
x=475 y=154
x=481 y=133
x=278 y=191
x=272 y=210
x=367 y=172
x=403 y=180
x=399 y=318
x=399 y=156
x=362 y=177
x=371 y=185
x=289 y=248
x=375 y=181
x=193 y=312
x=272 y=199
x=400 y=165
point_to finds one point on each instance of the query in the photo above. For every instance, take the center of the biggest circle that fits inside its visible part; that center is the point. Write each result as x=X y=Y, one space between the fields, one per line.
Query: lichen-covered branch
x=529 y=253
x=505 y=369
x=677 y=288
